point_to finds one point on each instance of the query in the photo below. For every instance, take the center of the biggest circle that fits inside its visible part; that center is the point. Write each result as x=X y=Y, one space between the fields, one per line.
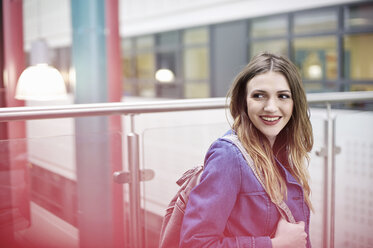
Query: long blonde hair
x=292 y=144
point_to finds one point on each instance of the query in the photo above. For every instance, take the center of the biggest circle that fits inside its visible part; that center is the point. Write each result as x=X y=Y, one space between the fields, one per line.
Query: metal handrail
x=123 y=108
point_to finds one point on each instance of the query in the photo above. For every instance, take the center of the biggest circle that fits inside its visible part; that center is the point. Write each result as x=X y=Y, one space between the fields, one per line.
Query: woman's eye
x=258 y=95
x=284 y=96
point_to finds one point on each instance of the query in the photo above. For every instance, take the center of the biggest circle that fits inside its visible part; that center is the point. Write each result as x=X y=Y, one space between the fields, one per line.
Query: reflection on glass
x=126 y=66
x=269 y=26
x=145 y=74
x=196 y=65
x=145 y=42
x=168 y=39
x=129 y=87
x=313 y=87
x=358 y=56
x=196 y=90
x=361 y=87
x=145 y=65
x=316 y=57
x=273 y=46
x=315 y=21
x=195 y=36
x=146 y=89
x=167 y=61
x=359 y=16
x=126 y=45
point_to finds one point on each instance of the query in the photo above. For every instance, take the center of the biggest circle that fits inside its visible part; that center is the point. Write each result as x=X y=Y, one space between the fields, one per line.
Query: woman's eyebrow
x=264 y=91
x=260 y=91
x=283 y=91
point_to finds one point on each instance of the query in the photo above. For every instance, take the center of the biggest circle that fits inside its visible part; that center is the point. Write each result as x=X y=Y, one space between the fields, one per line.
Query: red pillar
x=115 y=95
x=14 y=62
x=13 y=160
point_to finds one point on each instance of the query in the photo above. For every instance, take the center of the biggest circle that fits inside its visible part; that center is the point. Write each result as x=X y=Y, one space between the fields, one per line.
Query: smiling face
x=269 y=103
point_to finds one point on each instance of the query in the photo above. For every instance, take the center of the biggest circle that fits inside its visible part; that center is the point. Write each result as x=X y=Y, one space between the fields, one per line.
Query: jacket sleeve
x=211 y=202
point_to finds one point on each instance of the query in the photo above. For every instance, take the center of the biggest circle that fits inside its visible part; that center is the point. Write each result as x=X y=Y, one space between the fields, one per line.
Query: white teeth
x=270 y=118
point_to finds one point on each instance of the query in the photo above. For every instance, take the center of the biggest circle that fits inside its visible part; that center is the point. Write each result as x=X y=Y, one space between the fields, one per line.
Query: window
x=358 y=57
x=145 y=64
x=315 y=22
x=269 y=27
x=167 y=75
x=358 y=53
x=317 y=60
x=269 y=35
x=275 y=46
x=128 y=73
x=196 y=63
x=358 y=16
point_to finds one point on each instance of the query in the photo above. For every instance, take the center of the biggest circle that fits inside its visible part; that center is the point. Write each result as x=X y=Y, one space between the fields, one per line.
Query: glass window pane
x=361 y=87
x=166 y=67
x=316 y=57
x=274 y=46
x=196 y=90
x=145 y=42
x=127 y=58
x=269 y=26
x=359 y=16
x=195 y=36
x=196 y=64
x=166 y=60
x=146 y=89
x=129 y=87
x=168 y=39
x=313 y=87
x=358 y=56
x=127 y=45
x=145 y=66
x=127 y=67
x=315 y=21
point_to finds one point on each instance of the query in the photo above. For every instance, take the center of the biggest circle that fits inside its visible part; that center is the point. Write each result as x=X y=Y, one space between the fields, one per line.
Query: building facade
x=330 y=44
x=193 y=49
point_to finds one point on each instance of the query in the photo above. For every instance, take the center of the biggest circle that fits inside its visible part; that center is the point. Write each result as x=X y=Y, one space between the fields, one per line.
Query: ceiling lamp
x=40 y=81
x=165 y=76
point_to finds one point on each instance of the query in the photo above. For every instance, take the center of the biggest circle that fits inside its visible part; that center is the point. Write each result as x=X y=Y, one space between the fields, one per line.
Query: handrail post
x=134 y=187
x=133 y=177
x=329 y=180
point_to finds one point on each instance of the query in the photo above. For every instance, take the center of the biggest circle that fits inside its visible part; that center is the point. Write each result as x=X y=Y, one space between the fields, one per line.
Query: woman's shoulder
x=222 y=144
x=224 y=149
x=225 y=158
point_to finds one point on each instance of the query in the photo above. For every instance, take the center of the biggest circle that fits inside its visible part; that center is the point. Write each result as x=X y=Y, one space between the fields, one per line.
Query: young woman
x=230 y=208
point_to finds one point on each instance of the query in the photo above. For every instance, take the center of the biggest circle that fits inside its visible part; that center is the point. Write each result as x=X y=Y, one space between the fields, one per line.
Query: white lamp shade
x=40 y=82
x=165 y=76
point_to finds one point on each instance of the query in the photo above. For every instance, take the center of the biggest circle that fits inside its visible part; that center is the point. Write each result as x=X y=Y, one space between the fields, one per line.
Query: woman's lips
x=270 y=120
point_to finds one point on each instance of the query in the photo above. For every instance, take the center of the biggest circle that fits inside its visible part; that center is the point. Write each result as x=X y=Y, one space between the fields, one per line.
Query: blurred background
x=57 y=187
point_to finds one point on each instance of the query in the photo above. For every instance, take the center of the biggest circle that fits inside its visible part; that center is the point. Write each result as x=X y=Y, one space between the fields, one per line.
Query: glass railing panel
x=316 y=170
x=169 y=151
x=354 y=179
x=57 y=191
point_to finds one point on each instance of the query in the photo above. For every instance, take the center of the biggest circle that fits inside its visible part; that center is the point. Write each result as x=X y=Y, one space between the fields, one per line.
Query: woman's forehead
x=269 y=81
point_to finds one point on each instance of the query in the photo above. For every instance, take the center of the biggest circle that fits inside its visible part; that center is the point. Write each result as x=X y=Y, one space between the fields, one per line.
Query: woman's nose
x=270 y=105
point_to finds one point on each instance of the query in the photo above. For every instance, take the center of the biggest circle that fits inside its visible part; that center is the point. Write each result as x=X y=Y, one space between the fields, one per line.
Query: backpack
x=173 y=219
x=171 y=225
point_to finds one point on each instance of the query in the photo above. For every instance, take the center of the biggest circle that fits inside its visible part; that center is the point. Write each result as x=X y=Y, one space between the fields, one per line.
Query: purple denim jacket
x=229 y=208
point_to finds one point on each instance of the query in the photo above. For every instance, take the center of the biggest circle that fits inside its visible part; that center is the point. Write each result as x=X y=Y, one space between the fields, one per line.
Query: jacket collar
x=289 y=178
